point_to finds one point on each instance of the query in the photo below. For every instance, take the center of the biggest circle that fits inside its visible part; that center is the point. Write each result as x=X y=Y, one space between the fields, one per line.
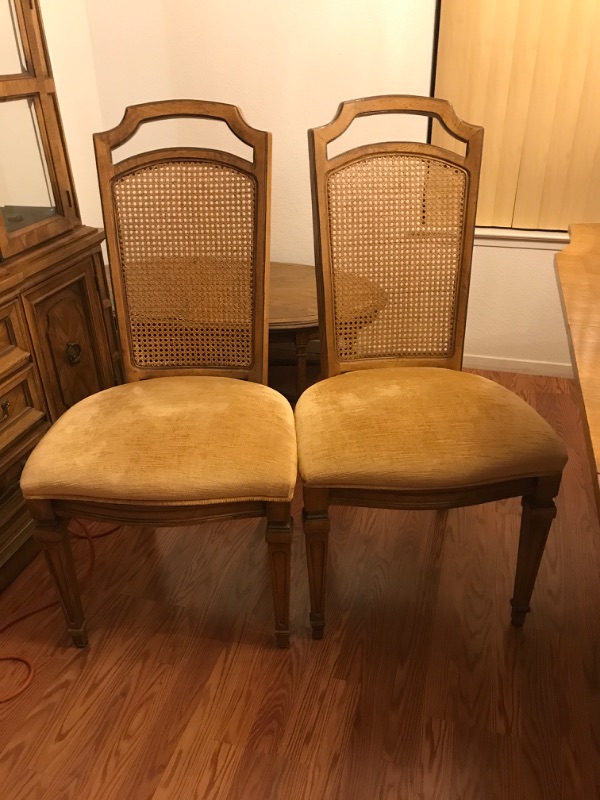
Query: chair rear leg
x=316 y=533
x=538 y=512
x=280 y=526
x=55 y=542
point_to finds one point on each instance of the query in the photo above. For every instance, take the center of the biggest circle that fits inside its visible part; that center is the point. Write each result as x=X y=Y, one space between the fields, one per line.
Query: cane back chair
x=193 y=434
x=395 y=423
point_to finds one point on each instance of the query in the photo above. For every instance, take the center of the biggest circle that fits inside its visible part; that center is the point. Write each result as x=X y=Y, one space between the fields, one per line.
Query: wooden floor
x=421 y=689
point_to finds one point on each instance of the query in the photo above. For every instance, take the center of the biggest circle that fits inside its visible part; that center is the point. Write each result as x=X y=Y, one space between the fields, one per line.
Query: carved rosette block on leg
x=316 y=533
x=54 y=539
x=278 y=536
x=538 y=512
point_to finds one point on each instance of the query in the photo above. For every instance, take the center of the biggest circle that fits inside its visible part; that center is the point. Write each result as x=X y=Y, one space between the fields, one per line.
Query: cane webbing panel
x=396 y=232
x=186 y=239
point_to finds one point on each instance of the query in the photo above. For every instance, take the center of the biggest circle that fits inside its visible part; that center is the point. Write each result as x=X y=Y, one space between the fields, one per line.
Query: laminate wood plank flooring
x=421 y=688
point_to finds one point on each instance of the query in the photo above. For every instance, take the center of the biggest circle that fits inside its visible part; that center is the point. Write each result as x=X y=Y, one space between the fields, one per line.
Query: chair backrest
x=393 y=230
x=187 y=233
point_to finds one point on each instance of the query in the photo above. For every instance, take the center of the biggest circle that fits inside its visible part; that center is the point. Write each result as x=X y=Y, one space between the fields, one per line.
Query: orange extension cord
x=17 y=659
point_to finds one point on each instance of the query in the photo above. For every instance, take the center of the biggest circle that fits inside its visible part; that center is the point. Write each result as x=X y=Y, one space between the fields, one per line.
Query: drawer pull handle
x=73 y=352
x=5 y=410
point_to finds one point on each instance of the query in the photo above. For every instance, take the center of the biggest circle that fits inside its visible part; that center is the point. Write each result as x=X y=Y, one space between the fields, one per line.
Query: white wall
x=515 y=320
x=287 y=65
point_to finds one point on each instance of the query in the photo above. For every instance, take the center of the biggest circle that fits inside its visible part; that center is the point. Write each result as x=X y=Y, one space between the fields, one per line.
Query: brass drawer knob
x=5 y=410
x=73 y=352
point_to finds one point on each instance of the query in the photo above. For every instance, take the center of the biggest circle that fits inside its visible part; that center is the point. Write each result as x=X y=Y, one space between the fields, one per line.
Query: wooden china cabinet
x=57 y=341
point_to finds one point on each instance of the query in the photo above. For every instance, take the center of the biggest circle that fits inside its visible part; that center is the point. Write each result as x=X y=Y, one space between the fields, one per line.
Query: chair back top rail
x=137 y=115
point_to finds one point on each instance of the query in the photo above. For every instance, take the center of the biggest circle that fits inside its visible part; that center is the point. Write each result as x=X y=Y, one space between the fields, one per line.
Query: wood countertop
x=578 y=269
x=293 y=302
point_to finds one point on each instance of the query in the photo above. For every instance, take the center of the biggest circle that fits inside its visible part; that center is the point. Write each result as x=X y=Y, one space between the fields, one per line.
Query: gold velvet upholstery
x=395 y=423
x=420 y=428
x=194 y=433
x=209 y=453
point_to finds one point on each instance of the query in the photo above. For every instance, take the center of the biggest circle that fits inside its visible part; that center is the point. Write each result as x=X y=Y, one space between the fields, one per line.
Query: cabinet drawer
x=21 y=406
x=14 y=344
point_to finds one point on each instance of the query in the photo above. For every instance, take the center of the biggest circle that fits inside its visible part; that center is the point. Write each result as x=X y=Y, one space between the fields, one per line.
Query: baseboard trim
x=557 y=370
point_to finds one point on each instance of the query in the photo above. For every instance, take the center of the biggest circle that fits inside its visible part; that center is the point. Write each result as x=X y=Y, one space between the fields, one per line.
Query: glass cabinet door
x=26 y=194
x=36 y=195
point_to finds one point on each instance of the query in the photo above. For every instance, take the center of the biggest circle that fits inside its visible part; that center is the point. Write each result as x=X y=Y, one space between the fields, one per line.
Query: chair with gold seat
x=395 y=423
x=194 y=433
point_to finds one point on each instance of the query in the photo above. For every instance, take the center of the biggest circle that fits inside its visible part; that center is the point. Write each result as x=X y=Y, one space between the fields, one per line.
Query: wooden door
x=66 y=324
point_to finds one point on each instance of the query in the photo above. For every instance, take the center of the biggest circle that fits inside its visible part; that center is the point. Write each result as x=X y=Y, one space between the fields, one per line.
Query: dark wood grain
x=421 y=688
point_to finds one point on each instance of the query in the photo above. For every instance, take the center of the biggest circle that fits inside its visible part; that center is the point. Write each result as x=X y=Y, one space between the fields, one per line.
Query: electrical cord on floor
x=85 y=534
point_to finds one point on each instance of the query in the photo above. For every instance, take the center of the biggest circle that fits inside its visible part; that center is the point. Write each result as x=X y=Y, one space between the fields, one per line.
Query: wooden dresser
x=578 y=270
x=57 y=345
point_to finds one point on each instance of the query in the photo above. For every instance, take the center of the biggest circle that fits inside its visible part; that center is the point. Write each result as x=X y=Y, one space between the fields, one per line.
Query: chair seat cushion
x=181 y=441
x=420 y=428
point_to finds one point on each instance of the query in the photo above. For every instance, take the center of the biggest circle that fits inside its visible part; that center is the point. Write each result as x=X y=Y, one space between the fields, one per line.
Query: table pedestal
x=293 y=312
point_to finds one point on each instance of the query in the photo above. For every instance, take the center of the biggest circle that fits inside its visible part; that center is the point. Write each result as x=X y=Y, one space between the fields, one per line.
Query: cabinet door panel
x=67 y=329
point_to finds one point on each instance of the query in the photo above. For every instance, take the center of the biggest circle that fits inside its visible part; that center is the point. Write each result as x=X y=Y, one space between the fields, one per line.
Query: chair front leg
x=538 y=512
x=315 y=516
x=280 y=526
x=55 y=542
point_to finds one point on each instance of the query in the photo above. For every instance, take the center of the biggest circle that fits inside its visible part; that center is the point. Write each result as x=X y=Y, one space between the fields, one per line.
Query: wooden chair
x=395 y=423
x=193 y=434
